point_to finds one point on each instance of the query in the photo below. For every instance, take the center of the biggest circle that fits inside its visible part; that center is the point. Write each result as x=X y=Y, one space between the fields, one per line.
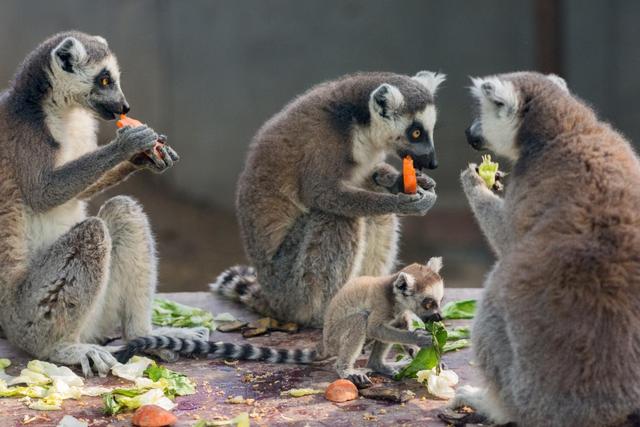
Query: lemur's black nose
x=477 y=142
x=125 y=108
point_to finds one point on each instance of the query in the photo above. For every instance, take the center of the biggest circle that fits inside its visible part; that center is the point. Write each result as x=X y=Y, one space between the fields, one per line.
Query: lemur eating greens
x=316 y=202
x=366 y=309
x=69 y=280
x=557 y=332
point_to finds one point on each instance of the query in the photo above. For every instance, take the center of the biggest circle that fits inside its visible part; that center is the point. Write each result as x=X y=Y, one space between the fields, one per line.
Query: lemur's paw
x=387 y=177
x=425 y=181
x=90 y=357
x=467 y=396
x=357 y=376
x=470 y=178
x=385 y=370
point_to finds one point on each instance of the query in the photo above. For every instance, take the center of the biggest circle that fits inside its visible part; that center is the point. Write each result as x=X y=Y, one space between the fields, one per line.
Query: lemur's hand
x=470 y=177
x=416 y=204
x=386 y=176
x=155 y=161
x=133 y=140
x=425 y=181
x=423 y=338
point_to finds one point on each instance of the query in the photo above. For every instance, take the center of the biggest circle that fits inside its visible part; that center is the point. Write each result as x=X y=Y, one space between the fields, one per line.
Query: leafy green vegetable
x=178 y=384
x=463 y=309
x=124 y=398
x=456 y=345
x=427 y=357
x=242 y=420
x=171 y=313
x=459 y=333
x=487 y=171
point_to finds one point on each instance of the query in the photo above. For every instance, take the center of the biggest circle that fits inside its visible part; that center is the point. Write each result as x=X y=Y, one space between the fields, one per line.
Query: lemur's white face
x=498 y=121
x=496 y=126
x=420 y=289
x=392 y=130
x=80 y=80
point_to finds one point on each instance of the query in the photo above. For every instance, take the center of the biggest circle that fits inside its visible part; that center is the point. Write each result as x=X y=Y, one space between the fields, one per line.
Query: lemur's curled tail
x=240 y=283
x=225 y=350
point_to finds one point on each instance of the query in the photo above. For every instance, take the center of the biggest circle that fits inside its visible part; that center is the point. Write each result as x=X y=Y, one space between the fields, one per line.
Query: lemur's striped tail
x=240 y=283
x=219 y=349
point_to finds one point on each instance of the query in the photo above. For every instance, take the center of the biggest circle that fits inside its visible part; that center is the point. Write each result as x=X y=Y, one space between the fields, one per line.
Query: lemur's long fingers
x=108 y=359
x=86 y=367
x=98 y=363
x=174 y=156
x=166 y=157
x=157 y=160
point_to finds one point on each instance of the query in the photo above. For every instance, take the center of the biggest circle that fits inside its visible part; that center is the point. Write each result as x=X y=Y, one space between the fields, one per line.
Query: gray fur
x=306 y=200
x=557 y=334
x=373 y=309
x=69 y=280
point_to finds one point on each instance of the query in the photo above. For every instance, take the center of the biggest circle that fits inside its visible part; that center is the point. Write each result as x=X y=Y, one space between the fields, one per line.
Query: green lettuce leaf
x=171 y=313
x=178 y=384
x=427 y=357
x=463 y=309
x=242 y=420
x=456 y=345
x=462 y=332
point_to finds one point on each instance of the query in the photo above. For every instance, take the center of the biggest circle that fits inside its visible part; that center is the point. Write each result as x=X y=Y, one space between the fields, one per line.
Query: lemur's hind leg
x=316 y=258
x=377 y=358
x=126 y=307
x=132 y=279
x=60 y=294
x=350 y=346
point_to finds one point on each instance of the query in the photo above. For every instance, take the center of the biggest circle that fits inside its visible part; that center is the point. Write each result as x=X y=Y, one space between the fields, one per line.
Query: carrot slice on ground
x=409 y=176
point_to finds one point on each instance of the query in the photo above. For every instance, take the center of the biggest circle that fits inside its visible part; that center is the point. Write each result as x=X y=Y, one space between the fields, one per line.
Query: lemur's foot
x=385 y=370
x=90 y=357
x=484 y=402
x=357 y=376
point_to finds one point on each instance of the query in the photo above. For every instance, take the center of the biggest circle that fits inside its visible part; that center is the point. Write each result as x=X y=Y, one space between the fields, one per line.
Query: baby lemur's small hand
x=416 y=204
x=158 y=159
x=133 y=140
x=423 y=338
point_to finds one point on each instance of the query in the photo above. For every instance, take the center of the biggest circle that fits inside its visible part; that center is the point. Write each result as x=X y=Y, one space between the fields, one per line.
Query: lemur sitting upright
x=365 y=309
x=69 y=280
x=326 y=206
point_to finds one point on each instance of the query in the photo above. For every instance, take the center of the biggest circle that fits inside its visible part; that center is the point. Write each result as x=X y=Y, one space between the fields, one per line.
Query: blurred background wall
x=208 y=73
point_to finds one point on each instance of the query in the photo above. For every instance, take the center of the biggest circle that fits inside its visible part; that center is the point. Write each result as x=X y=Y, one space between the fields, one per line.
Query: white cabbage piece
x=439 y=385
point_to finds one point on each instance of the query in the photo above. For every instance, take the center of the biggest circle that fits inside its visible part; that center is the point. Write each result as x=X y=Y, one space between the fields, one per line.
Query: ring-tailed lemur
x=68 y=280
x=315 y=202
x=364 y=309
x=557 y=332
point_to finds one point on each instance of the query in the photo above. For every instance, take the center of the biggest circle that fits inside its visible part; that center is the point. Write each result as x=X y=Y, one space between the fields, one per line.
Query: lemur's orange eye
x=105 y=81
x=416 y=134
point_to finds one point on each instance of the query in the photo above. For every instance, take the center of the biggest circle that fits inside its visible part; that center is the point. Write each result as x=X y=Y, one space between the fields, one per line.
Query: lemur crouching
x=365 y=309
x=69 y=280
x=316 y=202
x=557 y=332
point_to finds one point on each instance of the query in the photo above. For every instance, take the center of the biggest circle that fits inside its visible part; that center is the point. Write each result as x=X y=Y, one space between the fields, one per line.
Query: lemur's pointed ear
x=69 y=53
x=430 y=80
x=385 y=101
x=499 y=92
x=404 y=284
x=559 y=81
x=435 y=264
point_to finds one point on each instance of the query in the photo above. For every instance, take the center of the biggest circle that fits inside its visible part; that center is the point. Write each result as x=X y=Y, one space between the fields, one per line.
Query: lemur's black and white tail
x=240 y=283
x=219 y=349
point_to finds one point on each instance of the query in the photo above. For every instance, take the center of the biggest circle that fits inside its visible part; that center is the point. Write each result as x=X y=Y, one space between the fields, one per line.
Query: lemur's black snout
x=125 y=108
x=476 y=141
x=435 y=317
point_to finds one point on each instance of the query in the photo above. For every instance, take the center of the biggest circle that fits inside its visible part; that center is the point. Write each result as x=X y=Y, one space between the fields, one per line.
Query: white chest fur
x=75 y=132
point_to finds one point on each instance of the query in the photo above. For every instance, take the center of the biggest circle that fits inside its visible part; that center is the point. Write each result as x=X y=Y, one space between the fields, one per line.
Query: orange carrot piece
x=128 y=121
x=409 y=176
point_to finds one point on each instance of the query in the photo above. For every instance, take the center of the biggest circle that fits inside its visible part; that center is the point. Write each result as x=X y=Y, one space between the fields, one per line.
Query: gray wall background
x=208 y=73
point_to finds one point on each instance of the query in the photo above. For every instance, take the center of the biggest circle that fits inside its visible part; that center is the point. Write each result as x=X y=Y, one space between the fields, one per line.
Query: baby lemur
x=316 y=202
x=365 y=309
x=69 y=280
x=557 y=333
